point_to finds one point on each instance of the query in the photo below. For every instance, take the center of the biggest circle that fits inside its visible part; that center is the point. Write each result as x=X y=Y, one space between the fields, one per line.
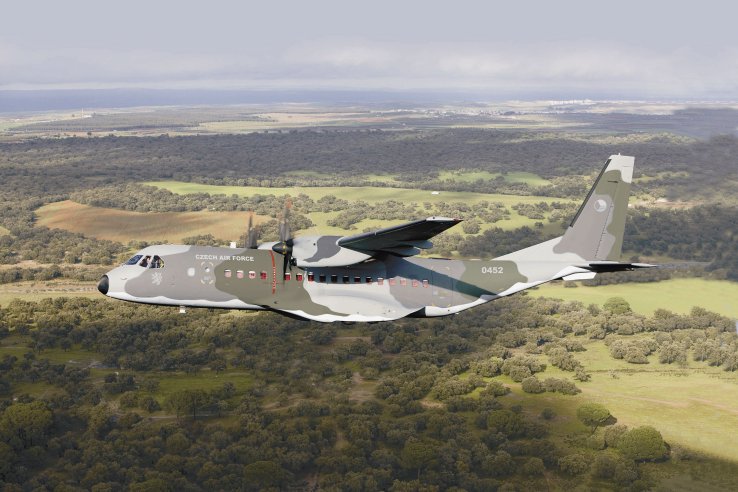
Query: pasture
x=372 y=195
x=677 y=295
x=369 y=194
x=691 y=406
x=125 y=226
x=34 y=291
x=465 y=176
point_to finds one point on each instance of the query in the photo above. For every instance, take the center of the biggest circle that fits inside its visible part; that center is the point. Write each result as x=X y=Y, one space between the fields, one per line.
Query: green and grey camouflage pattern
x=376 y=276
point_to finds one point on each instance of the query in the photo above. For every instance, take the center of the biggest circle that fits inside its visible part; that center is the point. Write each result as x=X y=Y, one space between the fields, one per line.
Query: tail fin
x=596 y=232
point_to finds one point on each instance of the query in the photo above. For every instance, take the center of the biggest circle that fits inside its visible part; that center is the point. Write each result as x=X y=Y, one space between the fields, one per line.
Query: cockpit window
x=133 y=260
x=151 y=262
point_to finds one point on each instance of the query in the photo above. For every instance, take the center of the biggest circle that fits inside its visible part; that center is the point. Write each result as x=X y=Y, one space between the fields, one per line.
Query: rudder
x=597 y=230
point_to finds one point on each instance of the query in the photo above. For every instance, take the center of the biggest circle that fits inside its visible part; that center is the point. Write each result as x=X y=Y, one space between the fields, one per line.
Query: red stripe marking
x=274 y=274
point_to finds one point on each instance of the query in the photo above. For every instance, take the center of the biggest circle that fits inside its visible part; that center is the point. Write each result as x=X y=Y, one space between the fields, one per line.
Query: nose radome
x=103 y=285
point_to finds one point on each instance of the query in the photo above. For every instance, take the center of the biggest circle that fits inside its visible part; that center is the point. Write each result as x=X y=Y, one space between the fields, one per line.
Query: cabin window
x=425 y=282
x=357 y=280
x=239 y=274
x=415 y=282
x=334 y=279
x=227 y=274
x=311 y=277
x=287 y=275
x=298 y=277
x=368 y=280
x=263 y=275
x=145 y=262
x=252 y=275
x=392 y=281
x=321 y=278
x=403 y=281
x=380 y=281
x=133 y=260
x=346 y=279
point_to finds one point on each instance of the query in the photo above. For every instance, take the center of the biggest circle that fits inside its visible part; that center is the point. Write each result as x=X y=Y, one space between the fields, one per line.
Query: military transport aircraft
x=376 y=276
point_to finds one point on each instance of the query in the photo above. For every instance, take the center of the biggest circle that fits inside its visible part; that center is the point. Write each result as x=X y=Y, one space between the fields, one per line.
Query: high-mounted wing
x=401 y=240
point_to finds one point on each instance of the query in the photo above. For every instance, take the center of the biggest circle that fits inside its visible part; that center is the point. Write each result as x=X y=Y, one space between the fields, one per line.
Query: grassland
x=3 y=231
x=677 y=295
x=37 y=290
x=691 y=405
x=369 y=194
x=472 y=176
x=124 y=226
x=206 y=380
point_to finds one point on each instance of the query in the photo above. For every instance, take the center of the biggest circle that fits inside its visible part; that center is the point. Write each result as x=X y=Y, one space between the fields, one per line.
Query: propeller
x=252 y=233
x=284 y=246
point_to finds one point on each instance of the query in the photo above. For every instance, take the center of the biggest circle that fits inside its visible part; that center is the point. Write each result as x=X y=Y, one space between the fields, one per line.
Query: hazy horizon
x=570 y=49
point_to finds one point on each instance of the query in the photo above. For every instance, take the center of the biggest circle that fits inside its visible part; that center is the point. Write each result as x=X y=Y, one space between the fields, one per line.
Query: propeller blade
x=284 y=246
x=285 y=234
x=252 y=234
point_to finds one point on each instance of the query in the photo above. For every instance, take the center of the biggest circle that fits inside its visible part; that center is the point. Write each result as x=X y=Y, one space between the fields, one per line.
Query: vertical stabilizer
x=596 y=233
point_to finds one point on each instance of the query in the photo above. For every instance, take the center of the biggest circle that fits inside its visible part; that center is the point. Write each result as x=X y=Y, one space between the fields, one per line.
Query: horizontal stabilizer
x=613 y=266
x=579 y=276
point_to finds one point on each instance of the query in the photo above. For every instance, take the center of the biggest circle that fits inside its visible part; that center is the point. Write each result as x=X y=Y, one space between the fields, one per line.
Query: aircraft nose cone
x=103 y=285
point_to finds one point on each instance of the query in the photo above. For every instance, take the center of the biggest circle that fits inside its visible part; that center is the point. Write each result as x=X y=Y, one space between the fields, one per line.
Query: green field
x=207 y=380
x=472 y=176
x=677 y=295
x=369 y=194
x=691 y=406
x=37 y=290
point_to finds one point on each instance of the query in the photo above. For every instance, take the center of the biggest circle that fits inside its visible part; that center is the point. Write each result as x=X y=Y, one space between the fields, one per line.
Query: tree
x=533 y=385
x=534 y=467
x=417 y=454
x=617 y=305
x=643 y=444
x=25 y=424
x=574 y=464
x=262 y=474
x=593 y=415
x=187 y=401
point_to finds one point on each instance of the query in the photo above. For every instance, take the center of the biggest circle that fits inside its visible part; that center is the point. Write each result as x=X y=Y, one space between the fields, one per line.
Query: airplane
x=376 y=276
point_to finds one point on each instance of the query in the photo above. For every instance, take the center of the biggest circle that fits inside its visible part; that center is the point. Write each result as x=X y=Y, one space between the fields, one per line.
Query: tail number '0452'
x=492 y=269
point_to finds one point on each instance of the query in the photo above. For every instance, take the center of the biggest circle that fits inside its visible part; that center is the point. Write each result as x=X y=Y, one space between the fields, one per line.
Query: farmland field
x=677 y=295
x=37 y=290
x=125 y=226
x=372 y=195
x=666 y=396
x=366 y=193
x=514 y=177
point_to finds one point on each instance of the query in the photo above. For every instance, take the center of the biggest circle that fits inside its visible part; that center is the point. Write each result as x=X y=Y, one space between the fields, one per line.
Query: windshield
x=133 y=260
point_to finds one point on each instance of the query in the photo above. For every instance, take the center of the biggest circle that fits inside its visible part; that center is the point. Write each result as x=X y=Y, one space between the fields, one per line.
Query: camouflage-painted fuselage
x=374 y=276
x=376 y=290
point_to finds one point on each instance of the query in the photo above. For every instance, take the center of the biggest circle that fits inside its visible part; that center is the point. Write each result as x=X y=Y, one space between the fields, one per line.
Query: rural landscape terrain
x=625 y=382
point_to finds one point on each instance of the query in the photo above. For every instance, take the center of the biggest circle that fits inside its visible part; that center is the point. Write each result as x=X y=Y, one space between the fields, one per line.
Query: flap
x=401 y=240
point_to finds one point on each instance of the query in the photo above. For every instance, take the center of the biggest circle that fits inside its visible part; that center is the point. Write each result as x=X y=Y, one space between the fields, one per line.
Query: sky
x=567 y=49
